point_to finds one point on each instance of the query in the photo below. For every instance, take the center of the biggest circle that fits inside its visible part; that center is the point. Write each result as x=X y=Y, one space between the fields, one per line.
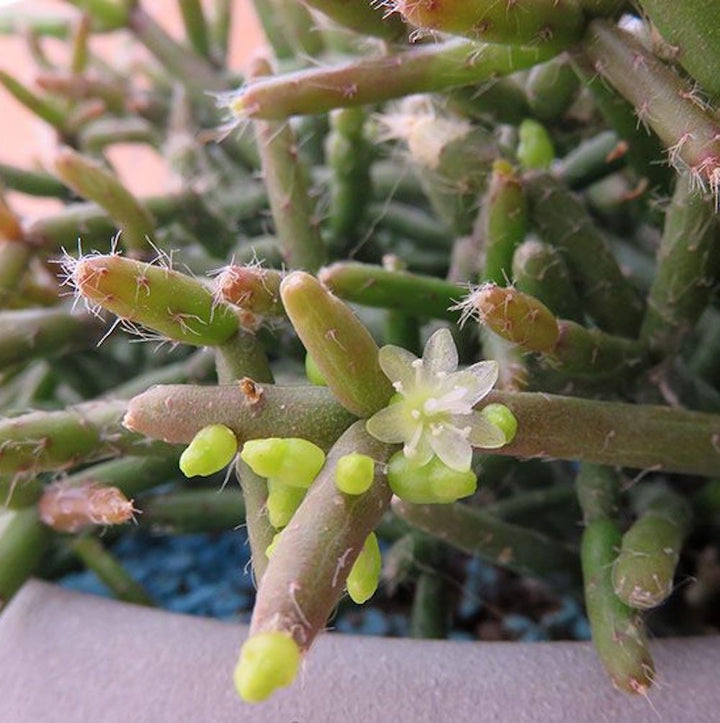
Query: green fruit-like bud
x=433 y=483
x=292 y=461
x=282 y=501
x=270 y=549
x=312 y=372
x=268 y=661
x=365 y=572
x=354 y=473
x=536 y=148
x=211 y=449
x=502 y=418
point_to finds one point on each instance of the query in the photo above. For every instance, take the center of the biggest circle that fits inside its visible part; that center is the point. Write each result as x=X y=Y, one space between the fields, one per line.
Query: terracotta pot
x=74 y=658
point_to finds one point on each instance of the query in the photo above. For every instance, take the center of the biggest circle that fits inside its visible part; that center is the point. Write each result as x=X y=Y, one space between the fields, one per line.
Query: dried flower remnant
x=71 y=508
x=432 y=412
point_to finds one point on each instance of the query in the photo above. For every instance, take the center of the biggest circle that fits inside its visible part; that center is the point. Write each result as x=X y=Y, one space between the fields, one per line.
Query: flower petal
x=423 y=451
x=440 y=354
x=392 y=424
x=397 y=363
x=478 y=379
x=482 y=433
x=452 y=448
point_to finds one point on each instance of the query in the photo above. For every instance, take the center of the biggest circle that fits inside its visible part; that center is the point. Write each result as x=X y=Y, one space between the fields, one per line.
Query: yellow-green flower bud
x=268 y=661
x=293 y=461
x=211 y=449
x=365 y=572
x=354 y=473
x=535 y=149
x=312 y=372
x=282 y=502
x=433 y=483
x=503 y=419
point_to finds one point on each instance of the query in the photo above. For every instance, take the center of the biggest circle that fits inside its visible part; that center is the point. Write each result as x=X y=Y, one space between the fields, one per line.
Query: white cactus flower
x=432 y=412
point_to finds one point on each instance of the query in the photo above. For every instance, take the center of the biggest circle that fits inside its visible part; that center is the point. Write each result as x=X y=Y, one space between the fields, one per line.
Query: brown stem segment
x=313 y=557
x=176 y=413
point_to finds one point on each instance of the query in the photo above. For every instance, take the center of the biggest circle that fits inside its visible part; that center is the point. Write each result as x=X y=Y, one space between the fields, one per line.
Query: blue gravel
x=209 y=575
x=201 y=574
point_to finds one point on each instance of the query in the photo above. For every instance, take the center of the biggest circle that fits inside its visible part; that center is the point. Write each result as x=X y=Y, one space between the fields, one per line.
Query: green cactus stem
x=426 y=69
x=478 y=533
x=15 y=254
x=131 y=475
x=191 y=511
x=349 y=155
x=569 y=347
x=618 y=631
x=612 y=433
x=257 y=515
x=196 y=28
x=76 y=87
x=57 y=440
x=48 y=111
x=109 y=570
x=591 y=160
x=688 y=262
x=272 y=28
x=662 y=100
x=703 y=360
x=79 y=42
x=32 y=183
x=555 y=23
x=196 y=368
x=173 y=304
x=97 y=135
x=410 y=222
x=551 y=89
x=106 y=14
x=506 y=222
x=286 y=184
x=527 y=504
x=539 y=270
x=252 y=411
x=399 y=290
x=306 y=574
x=89 y=179
x=31 y=333
x=18 y=493
x=643 y=572
x=40 y=25
x=516 y=317
x=23 y=543
x=94 y=226
x=503 y=99
x=644 y=151
x=691 y=28
x=428 y=617
x=362 y=17
x=562 y=221
x=192 y=70
x=594 y=354
x=343 y=349
x=299 y=28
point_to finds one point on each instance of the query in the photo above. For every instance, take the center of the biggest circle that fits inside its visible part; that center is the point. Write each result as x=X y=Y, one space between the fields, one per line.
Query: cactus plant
x=529 y=188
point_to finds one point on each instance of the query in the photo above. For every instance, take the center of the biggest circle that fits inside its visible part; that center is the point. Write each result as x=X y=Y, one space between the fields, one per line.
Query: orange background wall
x=28 y=142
